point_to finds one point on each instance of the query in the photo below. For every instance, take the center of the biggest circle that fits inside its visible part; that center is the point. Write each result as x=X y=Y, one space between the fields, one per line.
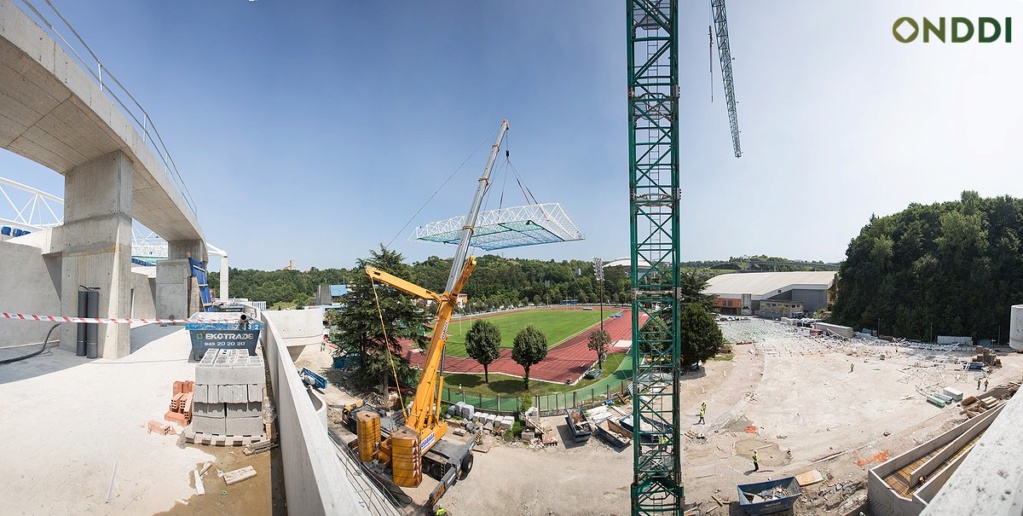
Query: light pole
x=598 y=271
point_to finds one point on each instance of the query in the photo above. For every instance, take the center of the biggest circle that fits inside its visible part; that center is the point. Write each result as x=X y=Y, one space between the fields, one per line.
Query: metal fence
x=548 y=404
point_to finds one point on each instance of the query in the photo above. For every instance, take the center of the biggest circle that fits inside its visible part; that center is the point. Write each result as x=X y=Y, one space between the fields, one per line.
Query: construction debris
x=238 y=475
x=160 y=427
x=199 y=488
x=258 y=447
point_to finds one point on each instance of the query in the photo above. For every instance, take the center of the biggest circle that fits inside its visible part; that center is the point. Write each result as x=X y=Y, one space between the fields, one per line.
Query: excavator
x=418 y=445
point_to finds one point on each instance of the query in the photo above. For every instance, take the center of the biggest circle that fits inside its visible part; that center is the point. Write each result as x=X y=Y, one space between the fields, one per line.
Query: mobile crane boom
x=424 y=419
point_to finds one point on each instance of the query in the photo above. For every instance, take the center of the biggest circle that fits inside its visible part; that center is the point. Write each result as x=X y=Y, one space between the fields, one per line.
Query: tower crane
x=654 y=194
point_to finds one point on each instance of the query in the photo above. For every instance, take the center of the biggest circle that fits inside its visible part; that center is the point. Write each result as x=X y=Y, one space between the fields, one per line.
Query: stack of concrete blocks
x=228 y=397
x=493 y=422
x=462 y=410
x=504 y=423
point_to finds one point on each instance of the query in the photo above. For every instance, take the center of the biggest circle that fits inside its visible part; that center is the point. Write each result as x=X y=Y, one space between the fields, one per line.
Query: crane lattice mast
x=654 y=195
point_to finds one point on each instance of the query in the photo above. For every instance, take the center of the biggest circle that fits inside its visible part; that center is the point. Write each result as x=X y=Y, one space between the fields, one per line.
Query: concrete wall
x=990 y=480
x=172 y=281
x=315 y=482
x=980 y=424
x=887 y=502
x=29 y=284
x=883 y=500
x=143 y=287
x=298 y=328
x=935 y=483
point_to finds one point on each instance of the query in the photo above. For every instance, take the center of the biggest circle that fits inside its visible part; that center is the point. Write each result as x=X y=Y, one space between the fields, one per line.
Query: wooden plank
x=233 y=477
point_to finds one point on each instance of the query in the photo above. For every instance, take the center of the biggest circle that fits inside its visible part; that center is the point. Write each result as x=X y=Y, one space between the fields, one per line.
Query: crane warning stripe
x=88 y=320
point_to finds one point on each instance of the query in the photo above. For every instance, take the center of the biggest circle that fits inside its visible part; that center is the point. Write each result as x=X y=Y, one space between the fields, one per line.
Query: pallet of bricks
x=228 y=399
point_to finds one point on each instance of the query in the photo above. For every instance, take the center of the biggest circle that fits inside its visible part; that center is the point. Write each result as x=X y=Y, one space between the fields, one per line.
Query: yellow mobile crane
x=418 y=445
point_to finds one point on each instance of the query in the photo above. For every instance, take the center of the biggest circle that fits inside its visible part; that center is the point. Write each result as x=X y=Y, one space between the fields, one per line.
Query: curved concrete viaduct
x=52 y=112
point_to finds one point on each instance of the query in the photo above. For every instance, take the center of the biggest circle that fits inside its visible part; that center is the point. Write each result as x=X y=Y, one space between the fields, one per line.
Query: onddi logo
x=956 y=30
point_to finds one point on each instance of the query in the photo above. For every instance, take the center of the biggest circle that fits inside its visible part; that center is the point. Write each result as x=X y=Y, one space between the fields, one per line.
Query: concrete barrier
x=884 y=500
x=835 y=329
x=315 y=481
x=30 y=285
x=297 y=328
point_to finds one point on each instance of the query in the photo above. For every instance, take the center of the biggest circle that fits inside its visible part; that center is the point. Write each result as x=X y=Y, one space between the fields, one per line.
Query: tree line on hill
x=951 y=268
x=496 y=282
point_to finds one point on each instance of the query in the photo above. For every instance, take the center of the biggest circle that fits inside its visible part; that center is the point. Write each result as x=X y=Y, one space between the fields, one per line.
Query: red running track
x=567 y=361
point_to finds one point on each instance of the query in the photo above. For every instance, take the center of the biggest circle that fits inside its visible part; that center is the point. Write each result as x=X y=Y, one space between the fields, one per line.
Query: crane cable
x=437 y=191
x=387 y=346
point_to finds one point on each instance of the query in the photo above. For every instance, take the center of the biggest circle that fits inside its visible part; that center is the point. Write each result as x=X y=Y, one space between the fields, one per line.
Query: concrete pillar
x=172 y=285
x=177 y=293
x=96 y=239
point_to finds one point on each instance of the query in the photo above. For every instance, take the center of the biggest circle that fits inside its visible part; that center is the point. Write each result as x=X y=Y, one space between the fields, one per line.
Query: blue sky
x=313 y=131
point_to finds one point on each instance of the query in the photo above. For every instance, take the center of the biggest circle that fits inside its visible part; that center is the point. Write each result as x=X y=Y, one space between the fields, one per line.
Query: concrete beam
x=52 y=112
x=96 y=239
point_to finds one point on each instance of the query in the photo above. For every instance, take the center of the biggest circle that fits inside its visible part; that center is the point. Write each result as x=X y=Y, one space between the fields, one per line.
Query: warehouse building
x=772 y=294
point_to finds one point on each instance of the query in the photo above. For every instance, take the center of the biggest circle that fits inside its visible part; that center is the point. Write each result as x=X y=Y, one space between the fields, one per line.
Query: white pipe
x=223 y=277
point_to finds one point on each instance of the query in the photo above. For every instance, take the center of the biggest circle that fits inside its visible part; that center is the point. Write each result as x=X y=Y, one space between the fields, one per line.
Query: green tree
x=947 y=268
x=699 y=335
x=359 y=327
x=483 y=344
x=525 y=402
x=599 y=340
x=529 y=348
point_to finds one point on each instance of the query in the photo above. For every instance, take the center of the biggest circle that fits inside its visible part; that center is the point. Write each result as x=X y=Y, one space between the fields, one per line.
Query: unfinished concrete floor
x=67 y=422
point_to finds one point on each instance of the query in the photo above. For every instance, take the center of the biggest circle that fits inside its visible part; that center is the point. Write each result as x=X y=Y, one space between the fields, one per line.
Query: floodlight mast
x=474 y=211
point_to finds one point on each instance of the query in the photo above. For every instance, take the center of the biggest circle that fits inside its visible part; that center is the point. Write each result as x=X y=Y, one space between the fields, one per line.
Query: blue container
x=225 y=331
x=768 y=497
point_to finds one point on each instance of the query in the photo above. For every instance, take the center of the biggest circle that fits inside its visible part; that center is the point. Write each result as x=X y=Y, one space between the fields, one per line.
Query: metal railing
x=109 y=84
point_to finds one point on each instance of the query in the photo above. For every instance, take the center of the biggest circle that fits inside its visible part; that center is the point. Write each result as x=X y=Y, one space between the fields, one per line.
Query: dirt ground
x=794 y=399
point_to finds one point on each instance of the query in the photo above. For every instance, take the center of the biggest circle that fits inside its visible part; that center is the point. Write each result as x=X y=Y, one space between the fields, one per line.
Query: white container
x=954 y=393
x=1016 y=327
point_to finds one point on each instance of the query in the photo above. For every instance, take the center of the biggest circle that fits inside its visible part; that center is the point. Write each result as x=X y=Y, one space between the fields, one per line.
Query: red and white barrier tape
x=96 y=320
